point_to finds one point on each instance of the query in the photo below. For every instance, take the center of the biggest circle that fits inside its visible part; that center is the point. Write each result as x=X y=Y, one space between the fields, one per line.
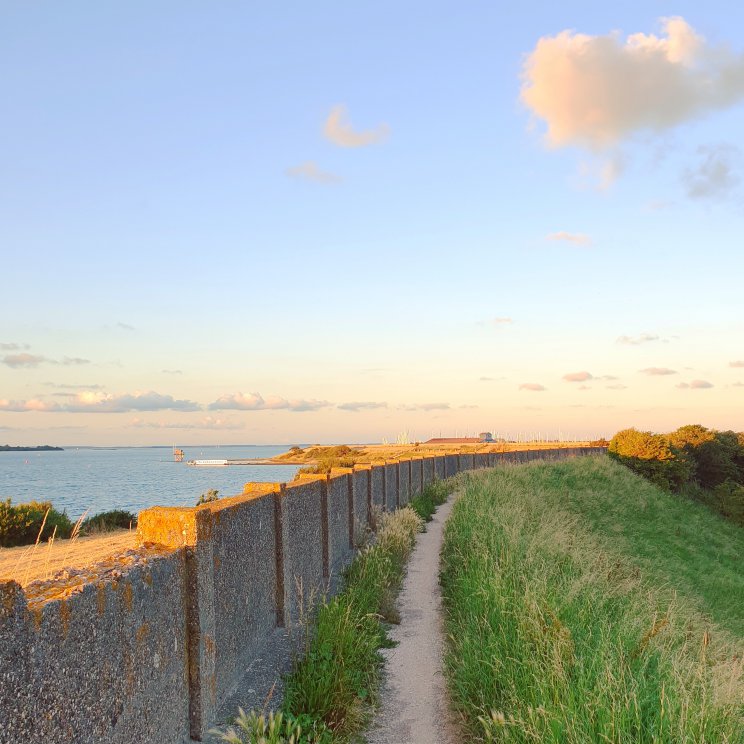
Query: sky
x=234 y=222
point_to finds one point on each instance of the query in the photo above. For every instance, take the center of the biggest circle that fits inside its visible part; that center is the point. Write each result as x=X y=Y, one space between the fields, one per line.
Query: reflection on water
x=130 y=478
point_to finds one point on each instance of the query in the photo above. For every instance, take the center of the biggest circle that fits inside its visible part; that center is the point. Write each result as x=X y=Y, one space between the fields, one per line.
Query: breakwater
x=145 y=647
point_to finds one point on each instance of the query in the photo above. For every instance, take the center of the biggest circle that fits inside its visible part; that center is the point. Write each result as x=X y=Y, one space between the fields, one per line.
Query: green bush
x=108 y=521
x=20 y=524
x=211 y=495
x=426 y=503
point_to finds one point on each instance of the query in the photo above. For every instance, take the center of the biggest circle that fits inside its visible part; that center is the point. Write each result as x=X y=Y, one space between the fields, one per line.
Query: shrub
x=652 y=456
x=211 y=495
x=426 y=503
x=108 y=521
x=21 y=524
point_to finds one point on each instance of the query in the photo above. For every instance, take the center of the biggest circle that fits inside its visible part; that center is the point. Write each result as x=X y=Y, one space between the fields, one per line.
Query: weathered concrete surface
x=105 y=664
x=361 y=494
x=340 y=546
x=377 y=474
x=427 y=472
x=416 y=477
x=391 y=486
x=414 y=705
x=404 y=482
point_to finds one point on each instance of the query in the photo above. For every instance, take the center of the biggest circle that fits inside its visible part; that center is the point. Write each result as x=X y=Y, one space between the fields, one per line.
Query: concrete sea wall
x=146 y=647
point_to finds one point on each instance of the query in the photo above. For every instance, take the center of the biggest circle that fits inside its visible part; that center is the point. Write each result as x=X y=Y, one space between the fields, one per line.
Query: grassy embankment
x=585 y=605
x=334 y=685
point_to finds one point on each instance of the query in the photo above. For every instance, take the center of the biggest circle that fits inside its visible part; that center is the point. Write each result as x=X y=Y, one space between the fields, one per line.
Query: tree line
x=702 y=463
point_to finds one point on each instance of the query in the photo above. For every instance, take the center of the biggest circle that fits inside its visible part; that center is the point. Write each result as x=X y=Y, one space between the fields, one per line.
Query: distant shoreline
x=41 y=448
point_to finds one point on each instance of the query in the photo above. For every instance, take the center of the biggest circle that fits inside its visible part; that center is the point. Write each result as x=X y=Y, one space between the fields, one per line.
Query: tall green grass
x=584 y=605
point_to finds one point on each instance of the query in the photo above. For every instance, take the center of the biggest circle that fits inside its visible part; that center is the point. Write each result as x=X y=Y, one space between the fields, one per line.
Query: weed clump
x=435 y=494
x=22 y=524
x=107 y=521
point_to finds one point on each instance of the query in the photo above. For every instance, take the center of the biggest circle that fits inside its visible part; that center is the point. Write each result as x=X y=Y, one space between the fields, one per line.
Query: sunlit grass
x=584 y=605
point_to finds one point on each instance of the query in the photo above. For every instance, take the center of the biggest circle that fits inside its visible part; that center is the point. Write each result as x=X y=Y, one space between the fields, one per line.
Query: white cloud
x=73 y=361
x=568 y=237
x=658 y=371
x=34 y=404
x=644 y=338
x=716 y=175
x=256 y=402
x=578 y=376
x=595 y=91
x=737 y=363
x=361 y=406
x=695 y=385
x=338 y=130
x=309 y=171
x=532 y=387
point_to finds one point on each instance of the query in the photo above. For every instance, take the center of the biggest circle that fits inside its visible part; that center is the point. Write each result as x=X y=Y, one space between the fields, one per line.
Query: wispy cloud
x=717 y=173
x=13 y=347
x=695 y=385
x=361 y=406
x=501 y=321
x=616 y=387
x=24 y=360
x=207 y=423
x=578 y=376
x=172 y=371
x=737 y=364
x=256 y=402
x=569 y=237
x=533 y=387
x=125 y=327
x=29 y=361
x=338 y=130
x=657 y=371
x=643 y=338
x=595 y=91
x=309 y=171
x=425 y=407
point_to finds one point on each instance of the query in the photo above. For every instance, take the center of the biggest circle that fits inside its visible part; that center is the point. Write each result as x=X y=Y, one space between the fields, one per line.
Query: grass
x=584 y=605
x=435 y=494
x=333 y=685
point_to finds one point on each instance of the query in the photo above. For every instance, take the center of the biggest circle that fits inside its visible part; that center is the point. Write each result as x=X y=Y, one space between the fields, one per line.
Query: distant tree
x=716 y=455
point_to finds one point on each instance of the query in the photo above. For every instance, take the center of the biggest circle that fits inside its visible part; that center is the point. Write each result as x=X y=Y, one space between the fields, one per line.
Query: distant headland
x=42 y=448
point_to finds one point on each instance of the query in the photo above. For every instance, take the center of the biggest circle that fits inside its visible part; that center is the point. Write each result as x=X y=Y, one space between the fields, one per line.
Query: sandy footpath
x=414 y=704
x=25 y=564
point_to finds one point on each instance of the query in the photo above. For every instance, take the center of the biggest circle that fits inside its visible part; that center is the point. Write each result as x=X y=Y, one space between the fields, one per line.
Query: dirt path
x=414 y=705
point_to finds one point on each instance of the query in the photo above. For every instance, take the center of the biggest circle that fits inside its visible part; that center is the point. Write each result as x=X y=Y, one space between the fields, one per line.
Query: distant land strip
x=41 y=448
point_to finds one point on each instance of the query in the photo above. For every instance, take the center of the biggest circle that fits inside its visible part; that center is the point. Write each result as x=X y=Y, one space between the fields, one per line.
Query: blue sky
x=189 y=255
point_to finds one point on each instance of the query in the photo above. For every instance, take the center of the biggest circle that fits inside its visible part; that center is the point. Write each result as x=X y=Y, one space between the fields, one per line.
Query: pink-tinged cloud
x=98 y=402
x=658 y=371
x=338 y=130
x=256 y=402
x=569 y=237
x=595 y=91
x=533 y=387
x=578 y=376
x=367 y=405
x=695 y=385
x=616 y=387
x=502 y=321
x=13 y=347
x=737 y=364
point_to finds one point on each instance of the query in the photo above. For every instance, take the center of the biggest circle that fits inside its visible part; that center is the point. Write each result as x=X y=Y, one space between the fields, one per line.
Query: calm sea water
x=130 y=478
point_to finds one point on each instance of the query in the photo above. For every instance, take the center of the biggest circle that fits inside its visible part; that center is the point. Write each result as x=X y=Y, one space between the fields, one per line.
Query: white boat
x=207 y=463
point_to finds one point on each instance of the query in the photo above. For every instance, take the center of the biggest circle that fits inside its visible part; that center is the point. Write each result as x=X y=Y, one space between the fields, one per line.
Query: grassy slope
x=585 y=605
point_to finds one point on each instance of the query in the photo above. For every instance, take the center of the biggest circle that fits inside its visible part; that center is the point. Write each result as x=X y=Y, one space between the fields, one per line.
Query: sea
x=96 y=479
